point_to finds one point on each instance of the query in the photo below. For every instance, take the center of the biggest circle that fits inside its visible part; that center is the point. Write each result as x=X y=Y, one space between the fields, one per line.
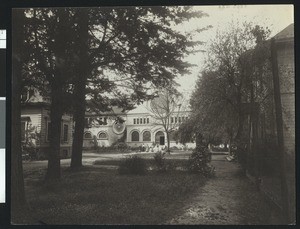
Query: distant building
x=35 y=120
x=139 y=127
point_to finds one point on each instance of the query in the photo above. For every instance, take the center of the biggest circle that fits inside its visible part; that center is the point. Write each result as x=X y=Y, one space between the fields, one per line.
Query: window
x=135 y=137
x=87 y=135
x=172 y=119
x=105 y=121
x=144 y=120
x=102 y=135
x=66 y=129
x=147 y=120
x=175 y=119
x=141 y=121
x=179 y=119
x=134 y=121
x=137 y=121
x=48 y=130
x=23 y=131
x=147 y=136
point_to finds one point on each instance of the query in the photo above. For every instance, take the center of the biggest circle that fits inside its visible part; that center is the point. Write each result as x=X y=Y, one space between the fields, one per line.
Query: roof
x=114 y=110
x=286 y=33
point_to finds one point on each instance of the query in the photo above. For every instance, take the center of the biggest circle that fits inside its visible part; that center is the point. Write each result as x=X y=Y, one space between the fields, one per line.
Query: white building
x=140 y=127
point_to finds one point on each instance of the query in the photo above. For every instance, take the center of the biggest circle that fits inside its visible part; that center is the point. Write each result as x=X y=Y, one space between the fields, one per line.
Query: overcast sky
x=275 y=17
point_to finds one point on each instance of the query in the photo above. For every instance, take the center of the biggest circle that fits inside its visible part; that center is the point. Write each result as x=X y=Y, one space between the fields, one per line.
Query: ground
x=97 y=194
x=229 y=198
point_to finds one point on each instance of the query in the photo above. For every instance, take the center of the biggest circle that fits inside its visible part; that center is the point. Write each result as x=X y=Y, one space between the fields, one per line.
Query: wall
x=39 y=117
x=285 y=55
x=95 y=129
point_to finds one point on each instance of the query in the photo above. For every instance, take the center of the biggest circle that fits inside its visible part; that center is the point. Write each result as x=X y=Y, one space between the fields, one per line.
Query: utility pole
x=279 y=124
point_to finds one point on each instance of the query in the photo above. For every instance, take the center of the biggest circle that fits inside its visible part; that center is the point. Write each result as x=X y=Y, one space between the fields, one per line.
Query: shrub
x=159 y=161
x=133 y=165
x=198 y=162
x=174 y=148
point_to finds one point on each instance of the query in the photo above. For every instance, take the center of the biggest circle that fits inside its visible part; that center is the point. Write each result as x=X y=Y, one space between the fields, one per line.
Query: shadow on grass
x=96 y=195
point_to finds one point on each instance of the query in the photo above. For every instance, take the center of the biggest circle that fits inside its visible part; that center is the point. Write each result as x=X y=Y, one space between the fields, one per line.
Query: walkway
x=229 y=198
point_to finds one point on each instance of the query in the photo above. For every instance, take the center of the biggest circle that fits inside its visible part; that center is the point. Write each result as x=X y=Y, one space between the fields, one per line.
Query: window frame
x=146 y=131
x=87 y=132
x=138 y=136
x=102 y=132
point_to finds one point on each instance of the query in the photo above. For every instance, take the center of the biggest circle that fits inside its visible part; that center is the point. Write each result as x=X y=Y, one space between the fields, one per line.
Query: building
x=35 y=122
x=284 y=41
x=138 y=127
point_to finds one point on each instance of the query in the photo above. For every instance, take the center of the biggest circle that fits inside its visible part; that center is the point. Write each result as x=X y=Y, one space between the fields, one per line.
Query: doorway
x=160 y=138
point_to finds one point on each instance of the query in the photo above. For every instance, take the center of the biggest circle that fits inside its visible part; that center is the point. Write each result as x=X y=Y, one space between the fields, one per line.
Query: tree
x=79 y=86
x=166 y=110
x=112 y=55
x=221 y=91
x=130 y=51
x=213 y=108
x=48 y=34
x=17 y=180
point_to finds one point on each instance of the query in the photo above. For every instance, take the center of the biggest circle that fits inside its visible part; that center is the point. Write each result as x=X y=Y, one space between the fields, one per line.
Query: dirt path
x=229 y=198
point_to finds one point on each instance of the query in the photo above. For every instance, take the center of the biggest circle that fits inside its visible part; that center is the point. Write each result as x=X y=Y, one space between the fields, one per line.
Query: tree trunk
x=53 y=171
x=79 y=91
x=168 y=142
x=17 y=180
x=240 y=118
x=79 y=114
x=57 y=85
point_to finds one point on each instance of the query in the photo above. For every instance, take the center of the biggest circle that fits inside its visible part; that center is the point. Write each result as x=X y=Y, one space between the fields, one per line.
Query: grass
x=97 y=195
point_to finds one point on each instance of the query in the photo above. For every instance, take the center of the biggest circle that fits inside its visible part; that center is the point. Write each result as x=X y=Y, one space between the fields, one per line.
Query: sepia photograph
x=153 y=115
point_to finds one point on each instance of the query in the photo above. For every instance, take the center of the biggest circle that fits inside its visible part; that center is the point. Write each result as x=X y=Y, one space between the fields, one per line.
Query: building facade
x=35 y=126
x=138 y=128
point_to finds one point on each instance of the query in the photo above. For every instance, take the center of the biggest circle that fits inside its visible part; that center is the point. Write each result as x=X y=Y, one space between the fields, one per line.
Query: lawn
x=99 y=195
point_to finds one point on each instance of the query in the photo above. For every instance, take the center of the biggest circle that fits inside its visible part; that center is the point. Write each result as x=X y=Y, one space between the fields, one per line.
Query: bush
x=174 y=148
x=133 y=165
x=198 y=162
x=159 y=161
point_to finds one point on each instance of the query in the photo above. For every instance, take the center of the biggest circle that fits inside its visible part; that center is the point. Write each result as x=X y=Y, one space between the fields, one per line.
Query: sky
x=275 y=17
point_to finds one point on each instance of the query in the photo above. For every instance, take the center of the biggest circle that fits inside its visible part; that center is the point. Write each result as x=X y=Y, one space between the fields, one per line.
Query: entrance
x=160 y=138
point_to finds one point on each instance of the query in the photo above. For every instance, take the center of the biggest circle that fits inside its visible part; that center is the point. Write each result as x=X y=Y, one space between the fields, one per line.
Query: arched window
x=102 y=135
x=87 y=135
x=135 y=137
x=146 y=136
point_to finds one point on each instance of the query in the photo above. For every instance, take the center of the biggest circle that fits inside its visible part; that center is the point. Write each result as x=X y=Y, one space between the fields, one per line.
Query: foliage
x=133 y=165
x=198 y=162
x=117 y=147
x=160 y=162
x=115 y=56
x=32 y=140
x=166 y=107
x=224 y=85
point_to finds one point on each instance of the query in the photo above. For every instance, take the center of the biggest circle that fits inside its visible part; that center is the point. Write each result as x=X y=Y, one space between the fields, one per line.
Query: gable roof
x=286 y=33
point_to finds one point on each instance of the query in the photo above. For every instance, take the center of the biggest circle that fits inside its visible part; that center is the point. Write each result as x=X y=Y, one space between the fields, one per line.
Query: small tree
x=166 y=111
